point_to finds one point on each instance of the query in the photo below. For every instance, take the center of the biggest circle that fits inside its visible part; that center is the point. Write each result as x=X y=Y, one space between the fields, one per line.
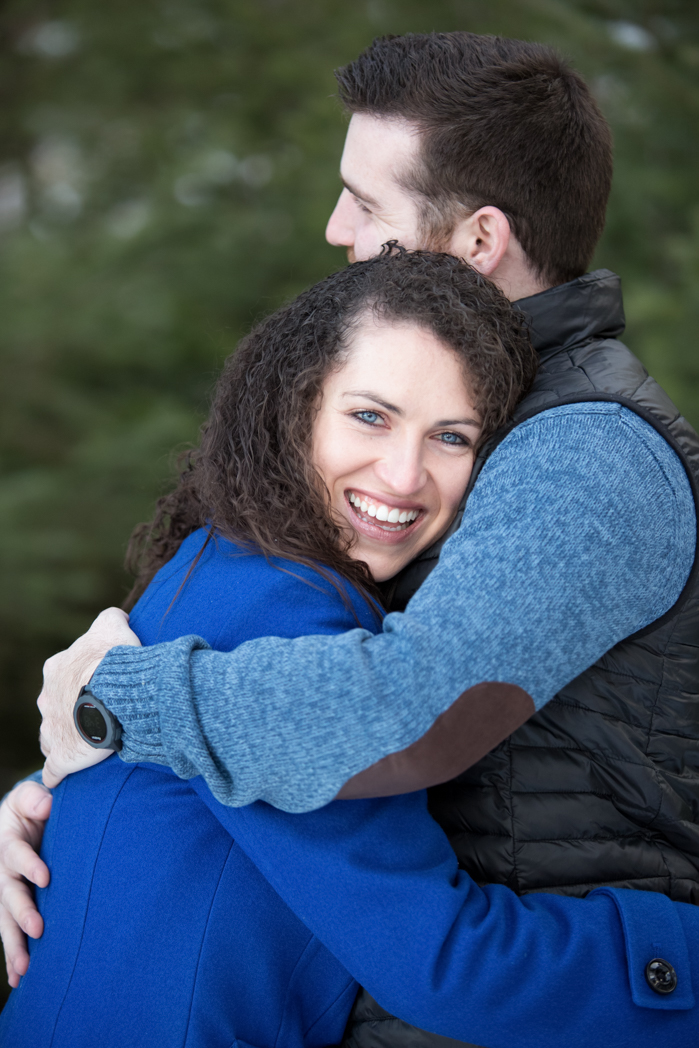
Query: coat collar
x=588 y=307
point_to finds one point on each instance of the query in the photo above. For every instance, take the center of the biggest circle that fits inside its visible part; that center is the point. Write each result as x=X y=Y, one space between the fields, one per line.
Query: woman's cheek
x=455 y=481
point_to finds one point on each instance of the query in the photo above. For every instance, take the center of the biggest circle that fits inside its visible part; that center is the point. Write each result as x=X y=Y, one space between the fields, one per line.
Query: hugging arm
x=529 y=592
x=378 y=884
x=580 y=531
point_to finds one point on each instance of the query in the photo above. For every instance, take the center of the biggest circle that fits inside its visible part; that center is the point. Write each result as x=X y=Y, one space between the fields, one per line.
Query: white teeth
x=382 y=512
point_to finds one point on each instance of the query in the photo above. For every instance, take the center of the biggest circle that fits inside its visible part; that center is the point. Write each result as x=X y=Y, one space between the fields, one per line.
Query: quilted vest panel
x=372 y=1027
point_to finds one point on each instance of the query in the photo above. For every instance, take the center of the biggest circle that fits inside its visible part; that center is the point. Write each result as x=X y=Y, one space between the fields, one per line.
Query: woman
x=339 y=445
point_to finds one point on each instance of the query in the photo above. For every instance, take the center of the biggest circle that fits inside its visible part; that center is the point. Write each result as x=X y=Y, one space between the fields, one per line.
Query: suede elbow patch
x=472 y=726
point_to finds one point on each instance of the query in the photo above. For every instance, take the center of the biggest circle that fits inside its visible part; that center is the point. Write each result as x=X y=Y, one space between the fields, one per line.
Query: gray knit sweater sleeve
x=580 y=531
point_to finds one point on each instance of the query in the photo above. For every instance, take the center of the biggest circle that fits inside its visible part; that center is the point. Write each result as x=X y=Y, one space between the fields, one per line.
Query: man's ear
x=481 y=239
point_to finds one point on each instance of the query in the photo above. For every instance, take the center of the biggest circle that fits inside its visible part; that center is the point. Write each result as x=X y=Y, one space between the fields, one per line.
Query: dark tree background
x=166 y=172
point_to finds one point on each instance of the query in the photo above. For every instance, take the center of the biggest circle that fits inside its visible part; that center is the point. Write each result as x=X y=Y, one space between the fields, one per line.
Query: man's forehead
x=377 y=152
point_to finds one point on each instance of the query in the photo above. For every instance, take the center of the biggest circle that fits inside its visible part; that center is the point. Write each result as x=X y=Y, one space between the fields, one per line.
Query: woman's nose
x=340 y=229
x=402 y=470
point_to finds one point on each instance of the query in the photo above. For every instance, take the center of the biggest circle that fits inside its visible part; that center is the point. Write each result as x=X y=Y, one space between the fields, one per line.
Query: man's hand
x=22 y=816
x=64 y=676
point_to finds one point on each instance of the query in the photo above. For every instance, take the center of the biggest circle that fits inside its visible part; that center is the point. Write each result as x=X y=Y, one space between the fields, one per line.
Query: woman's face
x=393 y=440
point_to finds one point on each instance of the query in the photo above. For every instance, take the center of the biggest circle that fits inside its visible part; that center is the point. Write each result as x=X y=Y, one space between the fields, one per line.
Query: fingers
x=80 y=757
x=19 y=859
x=14 y=933
x=44 y=740
x=30 y=800
x=19 y=910
x=22 y=816
x=110 y=619
x=51 y=773
x=41 y=809
x=111 y=628
x=15 y=945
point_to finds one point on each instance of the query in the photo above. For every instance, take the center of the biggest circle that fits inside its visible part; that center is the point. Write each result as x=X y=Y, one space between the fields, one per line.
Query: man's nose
x=340 y=229
x=402 y=469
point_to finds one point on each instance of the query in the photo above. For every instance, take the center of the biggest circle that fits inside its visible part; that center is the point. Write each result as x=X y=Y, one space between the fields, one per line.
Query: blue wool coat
x=172 y=920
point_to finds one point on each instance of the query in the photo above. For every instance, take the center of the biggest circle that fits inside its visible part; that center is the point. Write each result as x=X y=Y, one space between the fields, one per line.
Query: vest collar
x=564 y=316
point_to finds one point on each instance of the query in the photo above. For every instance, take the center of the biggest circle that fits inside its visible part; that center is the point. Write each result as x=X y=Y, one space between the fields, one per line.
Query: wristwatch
x=95 y=724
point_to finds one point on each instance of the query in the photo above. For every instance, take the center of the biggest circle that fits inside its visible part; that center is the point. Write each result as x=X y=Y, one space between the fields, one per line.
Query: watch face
x=91 y=722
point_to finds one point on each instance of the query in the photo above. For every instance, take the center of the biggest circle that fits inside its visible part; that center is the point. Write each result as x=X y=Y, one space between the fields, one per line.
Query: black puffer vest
x=601 y=787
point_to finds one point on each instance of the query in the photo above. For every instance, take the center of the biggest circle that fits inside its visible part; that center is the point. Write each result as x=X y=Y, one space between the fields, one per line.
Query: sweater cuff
x=126 y=682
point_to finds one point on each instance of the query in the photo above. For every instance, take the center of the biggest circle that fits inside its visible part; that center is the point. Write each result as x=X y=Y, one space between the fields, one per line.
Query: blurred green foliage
x=166 y=172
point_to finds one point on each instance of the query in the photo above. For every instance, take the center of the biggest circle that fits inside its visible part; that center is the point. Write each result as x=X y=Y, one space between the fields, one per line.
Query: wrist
x=125 y=682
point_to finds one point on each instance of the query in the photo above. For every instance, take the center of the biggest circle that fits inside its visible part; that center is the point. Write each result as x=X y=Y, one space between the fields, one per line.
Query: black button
x=661 y=976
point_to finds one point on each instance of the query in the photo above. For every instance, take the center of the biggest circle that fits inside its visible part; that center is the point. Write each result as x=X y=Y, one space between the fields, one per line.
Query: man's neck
x=515 y=276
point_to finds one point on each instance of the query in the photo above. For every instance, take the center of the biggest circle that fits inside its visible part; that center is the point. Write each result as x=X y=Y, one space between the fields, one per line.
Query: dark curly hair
x=252 y=480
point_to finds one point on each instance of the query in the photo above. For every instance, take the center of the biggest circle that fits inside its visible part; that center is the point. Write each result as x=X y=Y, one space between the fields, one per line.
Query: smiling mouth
x=388 y=518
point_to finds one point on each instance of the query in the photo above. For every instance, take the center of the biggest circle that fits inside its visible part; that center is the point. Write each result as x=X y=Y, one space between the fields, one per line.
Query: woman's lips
x=380 y=520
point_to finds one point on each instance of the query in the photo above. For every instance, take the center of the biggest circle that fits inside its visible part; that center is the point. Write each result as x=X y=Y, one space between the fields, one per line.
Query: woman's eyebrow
x=377 y=400
x=366 y=394
x=458 y=422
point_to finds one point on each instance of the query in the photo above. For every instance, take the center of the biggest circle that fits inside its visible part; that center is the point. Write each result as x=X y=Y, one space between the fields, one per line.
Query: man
x=567 y=599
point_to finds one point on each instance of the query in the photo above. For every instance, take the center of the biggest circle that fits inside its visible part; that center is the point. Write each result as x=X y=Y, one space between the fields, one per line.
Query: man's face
x=374 y=207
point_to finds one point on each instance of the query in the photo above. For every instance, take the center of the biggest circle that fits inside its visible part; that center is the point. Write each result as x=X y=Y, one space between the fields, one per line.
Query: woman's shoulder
x=226 y=594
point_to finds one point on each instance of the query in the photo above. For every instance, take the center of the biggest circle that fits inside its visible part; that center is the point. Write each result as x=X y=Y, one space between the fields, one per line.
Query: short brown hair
x=503 y=122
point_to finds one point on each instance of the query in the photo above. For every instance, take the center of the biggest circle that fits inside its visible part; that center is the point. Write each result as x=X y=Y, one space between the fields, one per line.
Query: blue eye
x=454 y=439
x=369 y=417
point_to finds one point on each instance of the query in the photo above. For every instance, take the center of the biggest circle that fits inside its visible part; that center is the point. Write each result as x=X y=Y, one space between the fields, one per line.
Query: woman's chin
x=387 y=549
x=384 y=564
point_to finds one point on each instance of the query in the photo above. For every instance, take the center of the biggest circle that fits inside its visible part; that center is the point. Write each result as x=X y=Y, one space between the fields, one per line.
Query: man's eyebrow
x=377 y=400
x=358 y=194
